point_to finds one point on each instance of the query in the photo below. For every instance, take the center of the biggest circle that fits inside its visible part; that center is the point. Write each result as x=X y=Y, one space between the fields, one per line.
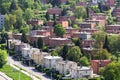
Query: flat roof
x=81 y=68
x=52 y=57
x=66 y=62
x=59 y=38
x=38 y=36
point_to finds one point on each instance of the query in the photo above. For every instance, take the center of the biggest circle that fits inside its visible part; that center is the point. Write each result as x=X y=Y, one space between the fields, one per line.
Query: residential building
x=71 y=30
x=54 y=42
x=54 y=10
x=84 y=4
x=25 y=52
x=87 y=43
x=118 y=19
x=97 y=64
x=64 y=66
x=113 y=29
x=85 y=35
x=2 y=18
x=63 y=23
x=87 y=25
x=40 y=32
x=35 y=22
x=81 y=72
x=51 y=61
x=19 y=47
x=37 y=56
x=66 y=18
x=89 y=30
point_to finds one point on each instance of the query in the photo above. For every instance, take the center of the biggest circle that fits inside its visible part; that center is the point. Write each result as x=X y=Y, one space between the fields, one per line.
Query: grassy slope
x=13 y=73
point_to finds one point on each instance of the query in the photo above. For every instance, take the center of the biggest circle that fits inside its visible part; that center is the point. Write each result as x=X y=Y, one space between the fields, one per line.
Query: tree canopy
x=59 y=30
x=3 y=57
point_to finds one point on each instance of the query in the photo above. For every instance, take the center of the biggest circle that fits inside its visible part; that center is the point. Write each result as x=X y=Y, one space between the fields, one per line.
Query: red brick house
x=35 y=22
x=54 y=10
x=84 y=25
x=113 y=29
x=97 y=22
x=118 y=19
x=87 y=43
x=63 y=23
x=66 y=18
x=54 y=42
x=40 y=32
x=98 y=17
x=50 y=29
x=89 y=30
x=71 y=30
x=110 y=3
x=85 y=4
x=97 y=64
x=35 y=38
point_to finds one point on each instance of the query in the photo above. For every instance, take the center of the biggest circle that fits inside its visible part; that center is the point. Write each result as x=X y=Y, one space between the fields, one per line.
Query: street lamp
x=19 y=74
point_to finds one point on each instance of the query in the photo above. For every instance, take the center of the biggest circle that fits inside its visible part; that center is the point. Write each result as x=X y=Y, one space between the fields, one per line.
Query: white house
x=37 y=56
x=25 y=52
x=81 y=72
x=19 y=47
x=2 y=17
x=51 y=61
x=64 y=66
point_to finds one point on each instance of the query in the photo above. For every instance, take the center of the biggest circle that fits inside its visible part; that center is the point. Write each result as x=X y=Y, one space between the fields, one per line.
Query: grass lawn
x=13 y=73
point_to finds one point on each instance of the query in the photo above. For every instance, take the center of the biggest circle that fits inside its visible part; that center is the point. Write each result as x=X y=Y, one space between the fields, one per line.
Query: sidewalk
x=4 y=77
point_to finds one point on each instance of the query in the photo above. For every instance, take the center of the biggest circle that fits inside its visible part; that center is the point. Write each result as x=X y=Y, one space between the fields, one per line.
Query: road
x=30 y=71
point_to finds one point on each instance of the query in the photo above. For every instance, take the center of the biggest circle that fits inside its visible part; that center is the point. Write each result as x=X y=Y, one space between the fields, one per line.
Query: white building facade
x=51 y=61
x=81 y=72
x=64 y=66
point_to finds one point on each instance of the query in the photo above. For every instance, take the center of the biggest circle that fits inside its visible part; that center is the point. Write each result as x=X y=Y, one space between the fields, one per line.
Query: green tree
x=99 y=39
x=114 y=46
x=59 y=30
x=54 y=53
x=47 y=16
x=24 y=38
x=34 y=44
x=13 y=6
x=106 y=44
x=74 y=54
x=28 y=14
x=102 y=54
x=80 y=12
x=75 y=26
x=10 y=20
x=3 y=57
x=65 y=51
x=40 y=43
x=84 y=61
x=5 y=7
x=112 y=71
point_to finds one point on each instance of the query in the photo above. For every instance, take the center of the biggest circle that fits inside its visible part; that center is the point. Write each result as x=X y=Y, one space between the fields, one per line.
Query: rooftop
x=81 y=68
x=59 y=39
x=53 y=57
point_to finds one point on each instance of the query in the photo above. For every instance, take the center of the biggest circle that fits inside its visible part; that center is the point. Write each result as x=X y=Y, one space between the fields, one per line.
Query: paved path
x=30 y=71
x=4 y=76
